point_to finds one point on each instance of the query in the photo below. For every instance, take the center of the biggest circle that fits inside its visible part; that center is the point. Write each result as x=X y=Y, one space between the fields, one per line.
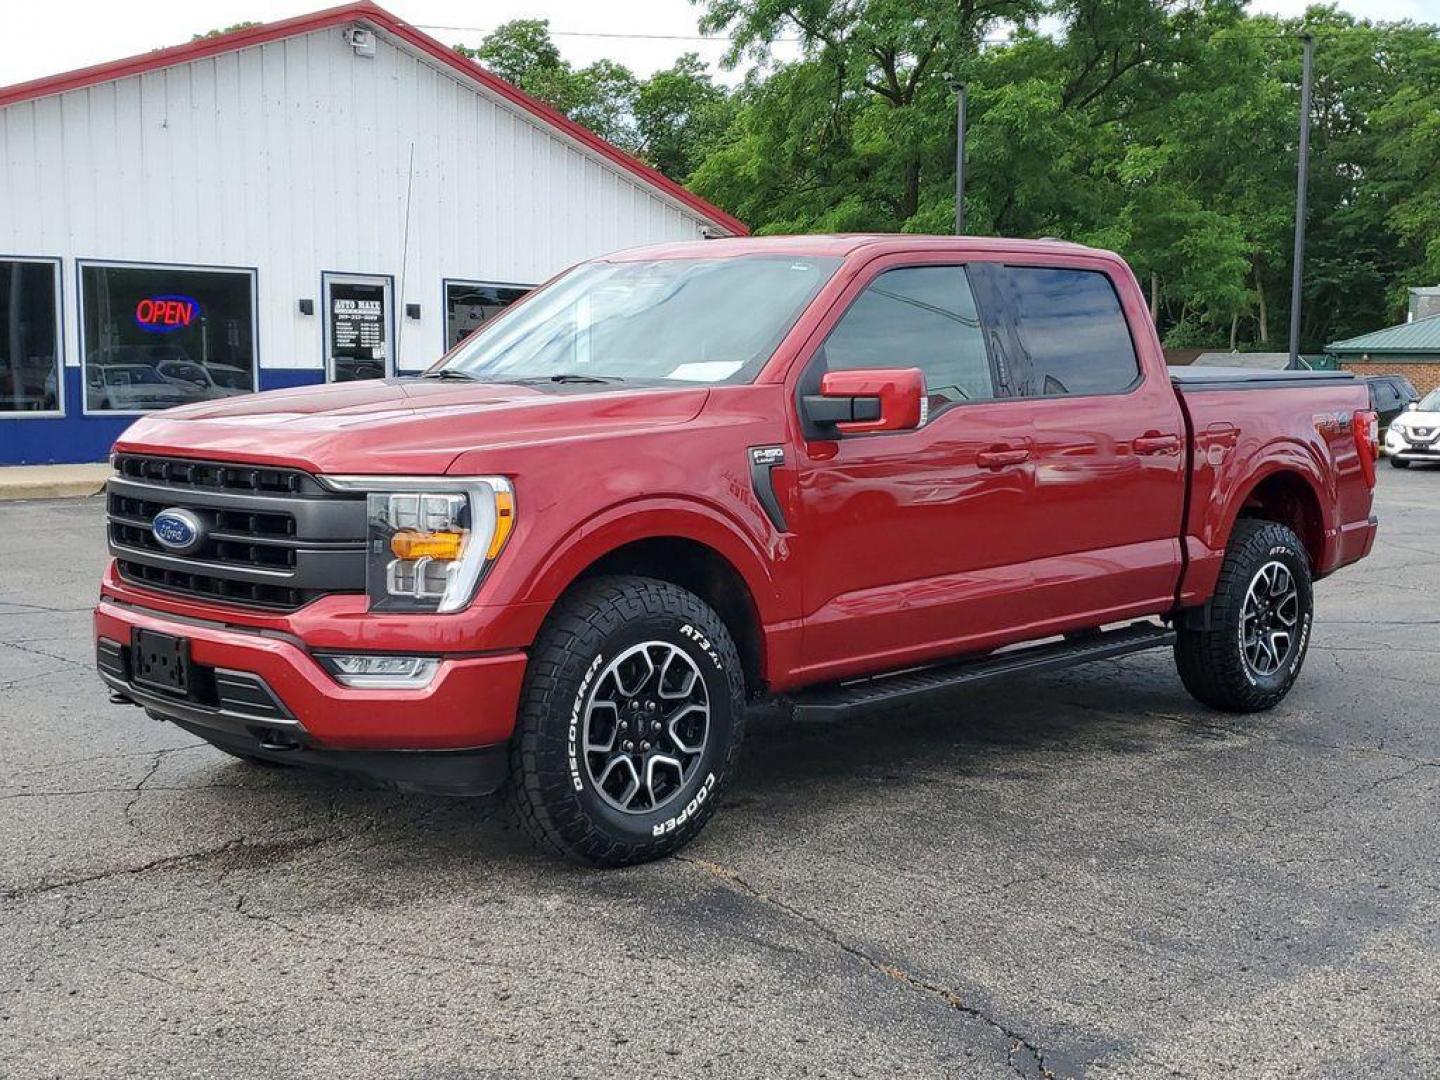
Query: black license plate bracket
x=160 y=661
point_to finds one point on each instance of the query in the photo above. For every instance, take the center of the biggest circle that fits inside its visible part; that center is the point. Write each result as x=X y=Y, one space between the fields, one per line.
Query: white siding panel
x=294 y=157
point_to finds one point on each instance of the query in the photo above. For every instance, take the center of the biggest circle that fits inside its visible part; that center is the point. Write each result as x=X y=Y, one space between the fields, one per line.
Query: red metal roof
x=377 y=18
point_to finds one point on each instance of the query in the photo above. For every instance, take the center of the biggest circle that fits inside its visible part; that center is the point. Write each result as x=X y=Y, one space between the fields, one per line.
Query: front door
x=914 y=544
x=359 y=320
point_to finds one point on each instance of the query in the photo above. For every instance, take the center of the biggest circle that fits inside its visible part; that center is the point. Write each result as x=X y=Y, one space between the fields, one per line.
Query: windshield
x=1430 y=402
x=661 y=320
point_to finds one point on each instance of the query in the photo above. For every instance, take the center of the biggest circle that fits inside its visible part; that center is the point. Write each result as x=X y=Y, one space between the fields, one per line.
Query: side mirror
x=869 y=399
x=1412 y=406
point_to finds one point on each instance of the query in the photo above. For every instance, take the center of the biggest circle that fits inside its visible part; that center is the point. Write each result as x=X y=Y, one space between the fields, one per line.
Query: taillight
x=1367 y=441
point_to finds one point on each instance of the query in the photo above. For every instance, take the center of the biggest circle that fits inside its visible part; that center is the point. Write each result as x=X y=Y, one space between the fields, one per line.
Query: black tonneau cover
x=1226 y=378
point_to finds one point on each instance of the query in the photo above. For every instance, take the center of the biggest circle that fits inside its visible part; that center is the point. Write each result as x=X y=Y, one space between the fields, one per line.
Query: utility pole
x=1302 y=179
x=959 y=159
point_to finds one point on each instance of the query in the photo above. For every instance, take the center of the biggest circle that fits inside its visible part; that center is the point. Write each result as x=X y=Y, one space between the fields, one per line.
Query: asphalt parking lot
x=1082 y=875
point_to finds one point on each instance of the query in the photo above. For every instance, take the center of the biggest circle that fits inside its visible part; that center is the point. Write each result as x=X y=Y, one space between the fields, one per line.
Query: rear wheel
x=630 y=722
x=1249 y=653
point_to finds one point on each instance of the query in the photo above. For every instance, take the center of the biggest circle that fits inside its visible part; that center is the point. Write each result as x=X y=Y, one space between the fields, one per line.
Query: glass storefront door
x=359 y=320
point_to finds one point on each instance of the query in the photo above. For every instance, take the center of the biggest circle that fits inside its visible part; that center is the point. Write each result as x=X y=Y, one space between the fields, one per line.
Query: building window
x=157 y=336
x=471 y=304
x=30 y=369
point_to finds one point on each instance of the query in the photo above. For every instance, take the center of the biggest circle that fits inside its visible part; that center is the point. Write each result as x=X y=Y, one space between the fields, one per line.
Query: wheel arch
x=1287 y=496
x=693 y=546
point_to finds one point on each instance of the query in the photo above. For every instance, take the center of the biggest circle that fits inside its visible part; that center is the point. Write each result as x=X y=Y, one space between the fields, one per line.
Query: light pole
x=1302 y=179
x=959 y=158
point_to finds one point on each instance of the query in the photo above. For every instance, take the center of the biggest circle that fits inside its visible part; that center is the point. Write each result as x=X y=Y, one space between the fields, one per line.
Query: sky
x=52 y=36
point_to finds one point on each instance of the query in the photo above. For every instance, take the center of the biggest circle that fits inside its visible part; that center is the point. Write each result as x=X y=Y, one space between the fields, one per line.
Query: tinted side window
x=921 y=317
x=1072 y=331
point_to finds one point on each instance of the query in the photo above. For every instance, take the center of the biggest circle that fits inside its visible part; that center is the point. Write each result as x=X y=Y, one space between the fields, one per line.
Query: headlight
x=1395 y=431
x=430 y=540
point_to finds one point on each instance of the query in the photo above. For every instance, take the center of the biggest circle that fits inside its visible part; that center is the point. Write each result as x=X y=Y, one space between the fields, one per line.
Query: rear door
x=1108 y=455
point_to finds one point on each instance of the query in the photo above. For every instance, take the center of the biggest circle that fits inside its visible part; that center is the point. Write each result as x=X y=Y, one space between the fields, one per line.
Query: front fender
x=760 y=557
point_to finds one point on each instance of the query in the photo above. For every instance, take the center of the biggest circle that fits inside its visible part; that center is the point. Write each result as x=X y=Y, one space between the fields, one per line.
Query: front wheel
x=1248 y=654
x=630 y=722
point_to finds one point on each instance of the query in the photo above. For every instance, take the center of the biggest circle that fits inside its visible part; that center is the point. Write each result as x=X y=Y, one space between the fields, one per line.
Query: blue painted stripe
x=75 y=437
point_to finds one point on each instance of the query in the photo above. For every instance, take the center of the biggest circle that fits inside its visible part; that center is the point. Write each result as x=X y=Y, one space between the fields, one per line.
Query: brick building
x=1411 y=349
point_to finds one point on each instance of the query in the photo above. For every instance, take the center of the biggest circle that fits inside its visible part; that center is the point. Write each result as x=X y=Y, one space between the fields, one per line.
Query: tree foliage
x=1165 y=129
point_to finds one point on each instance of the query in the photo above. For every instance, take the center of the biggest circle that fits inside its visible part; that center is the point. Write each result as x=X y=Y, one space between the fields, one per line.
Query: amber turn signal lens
x=408 y=544
x=504 y=522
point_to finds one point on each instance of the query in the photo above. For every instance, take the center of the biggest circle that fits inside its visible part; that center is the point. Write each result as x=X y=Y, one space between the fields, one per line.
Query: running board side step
x=839 y=701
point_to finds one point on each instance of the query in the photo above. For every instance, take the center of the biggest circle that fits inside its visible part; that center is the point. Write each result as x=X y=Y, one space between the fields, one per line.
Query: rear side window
x=921 y=317
x=1072 y=333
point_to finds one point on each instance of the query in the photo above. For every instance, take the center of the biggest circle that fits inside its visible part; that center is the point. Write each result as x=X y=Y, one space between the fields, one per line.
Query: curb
x=43 y=483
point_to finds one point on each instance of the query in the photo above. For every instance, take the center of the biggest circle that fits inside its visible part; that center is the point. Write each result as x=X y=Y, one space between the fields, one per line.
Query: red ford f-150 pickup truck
x=845 y=472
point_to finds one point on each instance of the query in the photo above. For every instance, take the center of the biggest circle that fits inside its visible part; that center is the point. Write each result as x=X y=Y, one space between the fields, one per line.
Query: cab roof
x=841 y=245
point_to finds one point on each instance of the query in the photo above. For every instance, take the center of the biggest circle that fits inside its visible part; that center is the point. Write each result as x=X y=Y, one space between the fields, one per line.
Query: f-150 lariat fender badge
x=762 y=460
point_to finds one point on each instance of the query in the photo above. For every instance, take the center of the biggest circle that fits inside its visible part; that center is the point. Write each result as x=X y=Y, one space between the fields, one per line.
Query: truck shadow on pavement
x=790 y=773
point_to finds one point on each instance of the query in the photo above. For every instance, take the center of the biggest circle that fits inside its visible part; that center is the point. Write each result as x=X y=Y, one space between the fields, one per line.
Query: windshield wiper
x=451 y=373
x=570 y=377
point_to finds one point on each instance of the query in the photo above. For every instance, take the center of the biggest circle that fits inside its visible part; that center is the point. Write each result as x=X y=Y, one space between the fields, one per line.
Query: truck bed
x=1191 y=379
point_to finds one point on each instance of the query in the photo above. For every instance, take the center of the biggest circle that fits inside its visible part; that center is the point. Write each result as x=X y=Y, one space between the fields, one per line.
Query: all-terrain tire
x=553 y=785
x=1212 y=659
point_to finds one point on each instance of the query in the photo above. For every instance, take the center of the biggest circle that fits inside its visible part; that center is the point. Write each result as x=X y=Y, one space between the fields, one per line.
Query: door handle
x=1001 y=457
x=1155 y=443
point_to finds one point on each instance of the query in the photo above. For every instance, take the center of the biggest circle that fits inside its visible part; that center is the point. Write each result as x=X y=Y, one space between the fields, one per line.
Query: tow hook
x=275 y=741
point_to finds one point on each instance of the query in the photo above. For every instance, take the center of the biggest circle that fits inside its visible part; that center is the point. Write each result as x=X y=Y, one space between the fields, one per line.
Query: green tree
x=670 y=119
x=245 y=25
x=679 y=115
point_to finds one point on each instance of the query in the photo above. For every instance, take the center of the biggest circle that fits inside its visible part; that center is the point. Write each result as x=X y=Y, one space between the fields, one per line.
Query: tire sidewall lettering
x=696 y=802
x=576 y=709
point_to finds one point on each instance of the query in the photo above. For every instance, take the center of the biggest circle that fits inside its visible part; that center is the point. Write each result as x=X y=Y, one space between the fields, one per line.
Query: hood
x=400 y=426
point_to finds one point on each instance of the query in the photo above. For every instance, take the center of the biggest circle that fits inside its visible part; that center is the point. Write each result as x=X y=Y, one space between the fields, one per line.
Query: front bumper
x=263 y=693
x=1402 y=447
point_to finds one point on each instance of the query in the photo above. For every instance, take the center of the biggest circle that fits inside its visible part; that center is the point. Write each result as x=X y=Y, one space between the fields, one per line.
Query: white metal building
x=335 y=196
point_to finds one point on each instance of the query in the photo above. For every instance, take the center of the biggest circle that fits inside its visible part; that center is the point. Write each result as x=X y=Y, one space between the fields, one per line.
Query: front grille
x=273 y=538
x=210 y=475
x=210 y=587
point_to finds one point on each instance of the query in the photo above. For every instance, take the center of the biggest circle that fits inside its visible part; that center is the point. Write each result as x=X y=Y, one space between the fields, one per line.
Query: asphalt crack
x=274 y=848
x=48 y=655
x=1019 y=1043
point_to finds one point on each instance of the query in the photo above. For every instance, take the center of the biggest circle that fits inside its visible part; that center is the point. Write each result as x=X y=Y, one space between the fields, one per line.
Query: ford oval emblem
x=181 y=531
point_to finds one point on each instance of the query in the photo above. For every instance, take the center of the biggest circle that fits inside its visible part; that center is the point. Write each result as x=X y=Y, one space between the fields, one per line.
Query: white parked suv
x=1414 y=435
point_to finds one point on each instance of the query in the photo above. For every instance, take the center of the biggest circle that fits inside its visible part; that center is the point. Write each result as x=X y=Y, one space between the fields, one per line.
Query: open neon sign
x=166 y=314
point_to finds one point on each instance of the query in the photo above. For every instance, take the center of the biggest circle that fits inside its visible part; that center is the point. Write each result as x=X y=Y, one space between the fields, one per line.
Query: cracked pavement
x=1084 y=874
